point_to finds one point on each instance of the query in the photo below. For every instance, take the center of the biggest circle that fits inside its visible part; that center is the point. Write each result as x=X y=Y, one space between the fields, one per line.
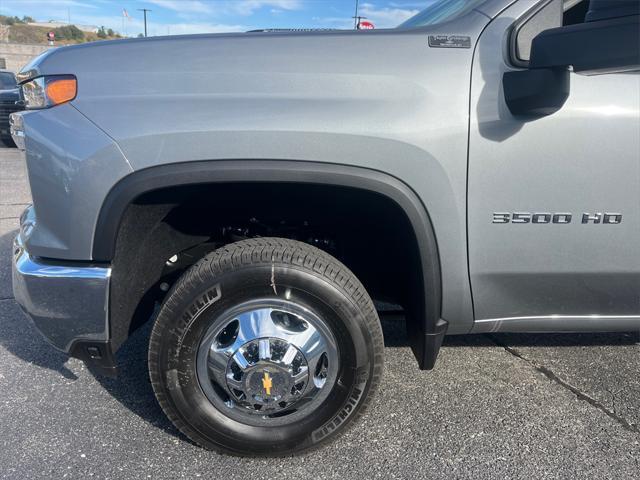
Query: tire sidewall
x=188 y=314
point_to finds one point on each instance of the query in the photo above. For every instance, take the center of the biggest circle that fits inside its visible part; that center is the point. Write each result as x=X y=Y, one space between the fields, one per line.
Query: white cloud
x=38 y=5
x=191 y=28
x=193 y=6
x=421 y=5
x=386 y=17
x=226 y=7
x=134 y=26
x=247 y=7
x=381 y=17
x=340 y=23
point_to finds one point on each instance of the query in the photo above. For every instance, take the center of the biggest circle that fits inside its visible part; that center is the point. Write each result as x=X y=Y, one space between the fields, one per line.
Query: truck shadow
x=17 y=335
x=133 y=388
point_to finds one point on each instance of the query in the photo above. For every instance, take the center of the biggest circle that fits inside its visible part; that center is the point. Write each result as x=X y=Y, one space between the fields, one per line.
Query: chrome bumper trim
x=66 y=302
x=16 y=130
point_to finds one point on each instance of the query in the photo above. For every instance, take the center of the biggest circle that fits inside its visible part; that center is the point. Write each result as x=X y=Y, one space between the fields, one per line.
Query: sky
x=174 y=17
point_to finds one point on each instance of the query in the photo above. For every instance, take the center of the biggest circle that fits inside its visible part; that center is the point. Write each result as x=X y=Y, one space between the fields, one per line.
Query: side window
x=539 y=19
x=575 y=11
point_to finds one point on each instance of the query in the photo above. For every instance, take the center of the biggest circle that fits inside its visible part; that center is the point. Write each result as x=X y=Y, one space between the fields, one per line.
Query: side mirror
x=603 y=46
x=536 y=92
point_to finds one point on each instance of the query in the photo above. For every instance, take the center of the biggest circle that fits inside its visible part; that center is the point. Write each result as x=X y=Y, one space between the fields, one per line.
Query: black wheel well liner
x=429 y=330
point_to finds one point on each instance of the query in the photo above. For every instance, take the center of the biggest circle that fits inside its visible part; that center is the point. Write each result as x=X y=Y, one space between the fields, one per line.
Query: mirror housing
x=604 y=46
x=536 y=93
x=595 y=47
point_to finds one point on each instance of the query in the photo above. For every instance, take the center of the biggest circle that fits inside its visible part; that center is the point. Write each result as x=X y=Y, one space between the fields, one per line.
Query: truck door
x=554 y=192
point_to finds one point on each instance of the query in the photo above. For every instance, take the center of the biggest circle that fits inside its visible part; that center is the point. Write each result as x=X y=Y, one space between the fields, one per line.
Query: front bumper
x=67 y=301
x=6 y=109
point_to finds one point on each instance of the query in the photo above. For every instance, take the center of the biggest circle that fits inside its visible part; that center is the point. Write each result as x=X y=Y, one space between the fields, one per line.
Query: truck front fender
x=429 y=330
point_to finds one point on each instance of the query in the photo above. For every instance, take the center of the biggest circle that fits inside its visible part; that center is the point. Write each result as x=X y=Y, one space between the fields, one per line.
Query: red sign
x=51 y=36
x=365 y=25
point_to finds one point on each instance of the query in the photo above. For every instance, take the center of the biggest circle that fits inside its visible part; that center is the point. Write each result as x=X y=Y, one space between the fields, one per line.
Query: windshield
x=441 y=11
x=7 y=81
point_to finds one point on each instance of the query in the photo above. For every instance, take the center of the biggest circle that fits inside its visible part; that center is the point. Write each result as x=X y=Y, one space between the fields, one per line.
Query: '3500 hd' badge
x=450 y=41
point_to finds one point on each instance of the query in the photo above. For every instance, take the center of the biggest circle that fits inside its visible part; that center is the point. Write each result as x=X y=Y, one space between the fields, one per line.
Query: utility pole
x=145 y=10
x=356 y=18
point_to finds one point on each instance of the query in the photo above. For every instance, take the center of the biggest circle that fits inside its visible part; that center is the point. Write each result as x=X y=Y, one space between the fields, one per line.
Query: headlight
x=47 y=91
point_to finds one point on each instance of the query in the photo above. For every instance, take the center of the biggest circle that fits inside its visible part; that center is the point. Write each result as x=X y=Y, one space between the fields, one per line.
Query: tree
x=102 y=33
x=140 y=35
x=10 y=20
x=110 y=32
x=28 y=19
x=69 y=32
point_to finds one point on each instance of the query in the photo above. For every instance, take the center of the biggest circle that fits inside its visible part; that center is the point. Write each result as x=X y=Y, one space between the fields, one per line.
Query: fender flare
x=431 y=328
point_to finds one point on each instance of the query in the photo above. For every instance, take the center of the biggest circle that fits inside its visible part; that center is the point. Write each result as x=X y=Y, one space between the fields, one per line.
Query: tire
x=216 y=358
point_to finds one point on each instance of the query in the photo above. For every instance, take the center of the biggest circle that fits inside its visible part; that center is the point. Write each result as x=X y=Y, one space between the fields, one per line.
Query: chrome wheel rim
x=267 y=361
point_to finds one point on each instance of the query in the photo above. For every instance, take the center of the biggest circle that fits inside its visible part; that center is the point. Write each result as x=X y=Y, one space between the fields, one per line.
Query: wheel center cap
x=267 y=374
x=267 y=383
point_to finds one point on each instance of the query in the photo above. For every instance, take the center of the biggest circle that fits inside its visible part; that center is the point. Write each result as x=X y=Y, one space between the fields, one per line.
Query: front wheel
x=265 y=347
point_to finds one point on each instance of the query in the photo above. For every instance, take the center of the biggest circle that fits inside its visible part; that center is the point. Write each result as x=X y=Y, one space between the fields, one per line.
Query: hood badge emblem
x=449 y=41
x=267 y=383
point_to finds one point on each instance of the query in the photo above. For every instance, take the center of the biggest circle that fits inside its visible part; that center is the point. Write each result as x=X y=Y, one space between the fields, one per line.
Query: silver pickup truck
x=478 y=166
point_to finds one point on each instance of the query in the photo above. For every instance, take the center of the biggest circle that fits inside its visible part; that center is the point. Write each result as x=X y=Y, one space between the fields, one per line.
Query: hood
x=202 y=53
x=259 y=77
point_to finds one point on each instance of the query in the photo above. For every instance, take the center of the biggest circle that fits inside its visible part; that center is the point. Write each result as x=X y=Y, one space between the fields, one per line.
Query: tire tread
x=250 y=253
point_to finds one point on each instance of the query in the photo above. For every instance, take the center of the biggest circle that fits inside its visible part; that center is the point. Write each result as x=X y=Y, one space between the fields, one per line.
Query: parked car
x=478 y=166
x=9 y=103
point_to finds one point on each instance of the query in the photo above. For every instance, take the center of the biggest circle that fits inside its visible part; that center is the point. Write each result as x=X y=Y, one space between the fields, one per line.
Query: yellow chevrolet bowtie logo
x=266 y=383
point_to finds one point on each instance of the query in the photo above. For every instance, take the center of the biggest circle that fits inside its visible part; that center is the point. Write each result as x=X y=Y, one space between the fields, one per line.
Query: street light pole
x=355 y=16
x=144 y=10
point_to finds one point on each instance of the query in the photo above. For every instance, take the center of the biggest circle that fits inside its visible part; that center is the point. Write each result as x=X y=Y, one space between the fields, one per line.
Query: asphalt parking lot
x=500 y=406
